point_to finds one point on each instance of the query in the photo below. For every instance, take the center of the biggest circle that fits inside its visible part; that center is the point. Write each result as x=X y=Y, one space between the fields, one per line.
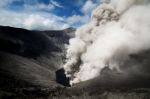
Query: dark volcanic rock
x=30 y=43
x=61 y=77
x=29 y=59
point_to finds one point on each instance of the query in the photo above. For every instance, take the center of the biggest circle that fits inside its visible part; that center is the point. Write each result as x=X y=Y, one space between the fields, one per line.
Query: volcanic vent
x=109 y=39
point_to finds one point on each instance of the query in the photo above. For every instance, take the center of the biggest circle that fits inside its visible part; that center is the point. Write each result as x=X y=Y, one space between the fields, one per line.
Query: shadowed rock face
x=29 y=59
x=31 y=44
x=61 y=77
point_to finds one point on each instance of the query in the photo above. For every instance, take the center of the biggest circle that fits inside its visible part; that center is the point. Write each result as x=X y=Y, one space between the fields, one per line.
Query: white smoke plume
x=117 y=29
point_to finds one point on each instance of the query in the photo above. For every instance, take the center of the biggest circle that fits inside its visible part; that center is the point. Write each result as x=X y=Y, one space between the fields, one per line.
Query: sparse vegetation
x=63 y=94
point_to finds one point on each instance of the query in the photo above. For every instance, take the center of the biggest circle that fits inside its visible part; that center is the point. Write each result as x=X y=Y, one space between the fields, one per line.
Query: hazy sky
x=46 y=14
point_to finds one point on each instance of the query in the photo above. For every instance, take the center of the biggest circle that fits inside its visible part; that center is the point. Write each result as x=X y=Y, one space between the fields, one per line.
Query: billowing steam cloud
x=117 y=29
